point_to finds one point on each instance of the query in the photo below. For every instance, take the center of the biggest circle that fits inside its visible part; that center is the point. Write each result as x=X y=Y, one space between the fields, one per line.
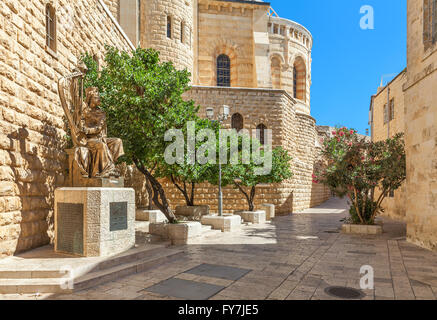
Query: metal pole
x=220 y=199
x=388 y=112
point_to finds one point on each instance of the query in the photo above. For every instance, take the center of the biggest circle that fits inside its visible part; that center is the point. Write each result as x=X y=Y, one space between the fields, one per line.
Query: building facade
x=387 y=118
x=421 y=123
x=240 y=53
x=412 y=98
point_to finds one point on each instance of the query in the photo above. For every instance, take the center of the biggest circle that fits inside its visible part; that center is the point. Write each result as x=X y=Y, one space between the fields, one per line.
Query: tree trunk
x=248 y=198
x=188 y=200
x=150 y=194
x=159 y=197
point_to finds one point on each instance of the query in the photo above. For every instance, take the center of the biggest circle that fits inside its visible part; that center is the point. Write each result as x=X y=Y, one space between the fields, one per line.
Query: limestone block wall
x=294 y=132
x=291 y=45
x=226 y=28
x=32 y=129
x=421 y=132
x=394 y=207
x=153 y=23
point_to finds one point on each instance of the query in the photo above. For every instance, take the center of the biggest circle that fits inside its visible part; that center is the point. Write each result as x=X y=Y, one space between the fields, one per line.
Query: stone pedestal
x=226 y=223
x=153 y=216
x=192 y=211
x=179 y=234
x=270 y=211
x=361 y=229
x=94 y=222
x=255 y=217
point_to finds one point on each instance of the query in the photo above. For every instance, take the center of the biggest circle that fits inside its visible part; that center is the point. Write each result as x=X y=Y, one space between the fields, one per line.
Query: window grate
x=223 y=71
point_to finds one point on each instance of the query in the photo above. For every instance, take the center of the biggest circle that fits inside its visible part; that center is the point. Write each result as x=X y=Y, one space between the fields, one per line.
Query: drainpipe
x=388 y=112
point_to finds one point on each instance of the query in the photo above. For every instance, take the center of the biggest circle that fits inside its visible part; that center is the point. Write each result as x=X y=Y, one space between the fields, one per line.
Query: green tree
x=190 y=172
x=358 y=168
x=246 y=176
x=143 y=99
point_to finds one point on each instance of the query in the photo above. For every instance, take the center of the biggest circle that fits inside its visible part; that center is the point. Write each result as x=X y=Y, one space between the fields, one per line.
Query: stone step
x=117 y=272
x=110 y=270
x=31 y=286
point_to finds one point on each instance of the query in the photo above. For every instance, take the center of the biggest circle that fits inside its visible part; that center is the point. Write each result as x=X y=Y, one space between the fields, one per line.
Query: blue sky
x=348 y=62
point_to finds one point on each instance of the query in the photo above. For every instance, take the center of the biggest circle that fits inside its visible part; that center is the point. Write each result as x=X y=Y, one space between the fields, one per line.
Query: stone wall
x=394 y=207
x=32 y=161
x=294 y=132
x=153 y=34
x=421 y=131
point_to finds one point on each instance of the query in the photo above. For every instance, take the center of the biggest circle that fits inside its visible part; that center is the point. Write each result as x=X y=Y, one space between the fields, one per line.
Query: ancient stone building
x=413 y=110
x=421 y=122
x=39 y=42
x=386 y=122
x=240 y=53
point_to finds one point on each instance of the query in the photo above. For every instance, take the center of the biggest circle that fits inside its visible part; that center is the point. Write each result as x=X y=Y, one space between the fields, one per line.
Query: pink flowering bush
x=356 y=168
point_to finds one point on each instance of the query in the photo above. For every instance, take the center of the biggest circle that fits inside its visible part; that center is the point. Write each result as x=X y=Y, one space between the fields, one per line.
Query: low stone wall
x=293 y=131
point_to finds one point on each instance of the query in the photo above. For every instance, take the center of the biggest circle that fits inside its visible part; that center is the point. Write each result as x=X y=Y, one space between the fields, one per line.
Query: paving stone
x=185 y=289
x=217 y=271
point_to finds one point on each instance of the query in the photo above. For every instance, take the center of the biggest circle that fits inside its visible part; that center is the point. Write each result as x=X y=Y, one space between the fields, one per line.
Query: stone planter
x=153 y=216
x=361 y=229
x=270 y=211
x=255 y=217
x=178 y=234
x=192 y=211
x=226 y=223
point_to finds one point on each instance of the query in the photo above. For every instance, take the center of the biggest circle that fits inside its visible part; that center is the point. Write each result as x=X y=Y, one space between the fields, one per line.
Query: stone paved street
x=294 y=257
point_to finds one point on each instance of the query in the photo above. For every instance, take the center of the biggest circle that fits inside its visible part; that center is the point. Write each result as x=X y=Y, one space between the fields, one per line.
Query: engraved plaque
x=117 y=216
x=70 y=228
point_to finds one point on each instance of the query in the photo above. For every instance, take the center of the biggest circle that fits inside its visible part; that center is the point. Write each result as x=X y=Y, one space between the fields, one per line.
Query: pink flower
x=350 y=144
x=341 y=134
x=334 y=133
x=352 y=131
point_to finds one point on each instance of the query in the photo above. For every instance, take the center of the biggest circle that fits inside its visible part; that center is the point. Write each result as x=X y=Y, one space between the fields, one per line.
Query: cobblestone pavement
x=294 y=258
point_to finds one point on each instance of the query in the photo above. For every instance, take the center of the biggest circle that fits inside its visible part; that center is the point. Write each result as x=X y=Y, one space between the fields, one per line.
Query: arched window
x=223 y=71
x=237 y=122
x=169 y=27
x=51 y=27
x=429 y=22
x=276 y=73
x=261 y=133
x=299 y=79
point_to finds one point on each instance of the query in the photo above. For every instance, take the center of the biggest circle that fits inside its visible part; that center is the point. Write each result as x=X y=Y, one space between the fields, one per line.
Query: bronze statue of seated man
x=98 y=154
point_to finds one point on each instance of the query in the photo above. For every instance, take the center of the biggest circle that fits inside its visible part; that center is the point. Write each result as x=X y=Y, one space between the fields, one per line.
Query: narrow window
x=182 y=31
x=237 y=122
x=299 y=79
x=275 y=29
x=50 y=27
x=169 y=27
x=223 y=71
x=385 y=114
x=429 y=22
x=392 y=109
x=261 y=133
